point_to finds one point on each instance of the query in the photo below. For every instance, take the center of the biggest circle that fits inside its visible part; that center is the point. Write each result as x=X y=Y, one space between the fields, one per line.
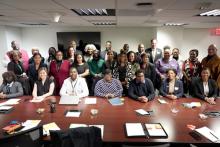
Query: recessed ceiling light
x=215 y=12
x=94 y=12
x=175 y=24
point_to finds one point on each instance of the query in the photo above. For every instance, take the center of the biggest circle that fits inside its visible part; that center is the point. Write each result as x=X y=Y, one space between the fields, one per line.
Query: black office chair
x=28 y=138
x=77 y=137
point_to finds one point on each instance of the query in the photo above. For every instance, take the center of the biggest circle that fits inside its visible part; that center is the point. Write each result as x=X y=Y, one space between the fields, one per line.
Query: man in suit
x=155 y=53
x=108 y=46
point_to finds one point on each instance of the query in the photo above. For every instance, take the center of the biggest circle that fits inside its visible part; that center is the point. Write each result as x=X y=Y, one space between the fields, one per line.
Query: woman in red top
x=59 y=69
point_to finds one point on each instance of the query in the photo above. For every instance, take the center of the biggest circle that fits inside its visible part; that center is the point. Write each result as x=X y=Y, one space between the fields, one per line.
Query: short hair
x=108 y=42
x=16 y=52
x=139 y=45
x=166 y=47
x=138 y=72
x=73 y=68
x=171 y=69
x=91 y=46
x=7 y=74
x=176 y=49
x=194 y=50
x=153 y=39
x=107 y=71
x=206 y=69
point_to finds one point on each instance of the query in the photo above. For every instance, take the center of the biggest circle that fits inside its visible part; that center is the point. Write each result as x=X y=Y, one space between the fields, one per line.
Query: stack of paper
x=28 y=124
x=142 y=112
x=73 y=113
x=209 y=134
x=134 y=129
x=48 y=127
x=90 y=101
x=10 y=102
x=162 y=101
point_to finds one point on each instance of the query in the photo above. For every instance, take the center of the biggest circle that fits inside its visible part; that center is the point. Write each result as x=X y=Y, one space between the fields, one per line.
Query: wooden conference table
x=114 y=117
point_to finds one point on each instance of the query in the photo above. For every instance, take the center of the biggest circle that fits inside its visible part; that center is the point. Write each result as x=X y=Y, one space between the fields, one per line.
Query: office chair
x=28 y=138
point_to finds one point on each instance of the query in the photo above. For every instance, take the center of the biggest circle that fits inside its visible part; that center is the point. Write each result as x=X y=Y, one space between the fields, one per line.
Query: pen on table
x=213 y=135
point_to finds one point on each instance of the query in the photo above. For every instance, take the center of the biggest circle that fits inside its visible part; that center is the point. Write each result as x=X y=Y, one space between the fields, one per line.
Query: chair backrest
x=28 y=138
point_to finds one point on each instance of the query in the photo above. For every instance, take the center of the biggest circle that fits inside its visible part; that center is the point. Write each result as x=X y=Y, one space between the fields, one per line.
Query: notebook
x=69 y=100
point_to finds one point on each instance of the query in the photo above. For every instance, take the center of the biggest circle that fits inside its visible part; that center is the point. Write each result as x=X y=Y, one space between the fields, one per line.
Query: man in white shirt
x=74 y=85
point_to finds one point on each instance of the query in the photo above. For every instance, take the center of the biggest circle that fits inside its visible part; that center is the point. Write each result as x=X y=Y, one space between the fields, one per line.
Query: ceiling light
x=94 y=12
x=174 y=24
x=56 y=17
x=215 y=12
x=104 y=23
x=144 y=4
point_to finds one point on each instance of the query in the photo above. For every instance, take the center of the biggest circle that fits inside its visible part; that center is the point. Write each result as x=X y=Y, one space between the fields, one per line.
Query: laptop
x=69 y=100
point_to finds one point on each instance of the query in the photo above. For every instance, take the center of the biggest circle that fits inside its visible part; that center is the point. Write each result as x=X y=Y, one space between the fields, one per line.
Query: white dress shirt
x=206 y=88
x=78 y=87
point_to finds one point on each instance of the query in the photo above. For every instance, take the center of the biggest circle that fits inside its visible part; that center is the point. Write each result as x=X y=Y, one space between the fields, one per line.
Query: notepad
x=28 y=124
x=134 y=129
x=73 y=113
x=10 y=102
x=5 y=108
x=51 y=126
x=116 y=101
x=155 y=130
x=142 y=112
x=90 y=101
x=209 y=134
x=162 y=101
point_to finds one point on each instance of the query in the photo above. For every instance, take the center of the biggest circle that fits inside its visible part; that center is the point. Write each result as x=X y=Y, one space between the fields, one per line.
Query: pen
x=213 y=135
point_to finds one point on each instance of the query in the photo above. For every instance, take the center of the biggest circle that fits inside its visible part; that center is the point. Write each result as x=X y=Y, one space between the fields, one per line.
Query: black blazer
x=199 y=89
x=178 y=88
x=157 y=56
x=141 y=89
x=18 y=69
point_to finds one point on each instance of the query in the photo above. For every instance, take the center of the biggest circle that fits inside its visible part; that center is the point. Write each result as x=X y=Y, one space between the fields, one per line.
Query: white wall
x=43 y=38
x=186 y=39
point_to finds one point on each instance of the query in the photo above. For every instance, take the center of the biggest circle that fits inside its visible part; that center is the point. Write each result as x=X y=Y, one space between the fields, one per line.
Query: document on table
x=73 y=113
x=209 y=134
x=36 y=100
x=48 y=127
x=142 y=112
x=5 y=108
x=10 y=102
x=28 y=124
x=115 y=101
x=155 y=130
x=90 y=101
x=77 y=125
x=162 y=101
x=134 y=129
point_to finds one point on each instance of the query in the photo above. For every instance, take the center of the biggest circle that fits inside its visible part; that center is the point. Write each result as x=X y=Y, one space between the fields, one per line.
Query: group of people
x=109 y=74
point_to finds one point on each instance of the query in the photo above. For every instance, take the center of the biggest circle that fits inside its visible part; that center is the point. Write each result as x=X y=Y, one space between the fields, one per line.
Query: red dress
x=59 y=74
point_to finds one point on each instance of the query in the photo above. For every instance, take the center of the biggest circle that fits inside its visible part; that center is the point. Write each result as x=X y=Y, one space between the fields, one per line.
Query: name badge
x=176 y=88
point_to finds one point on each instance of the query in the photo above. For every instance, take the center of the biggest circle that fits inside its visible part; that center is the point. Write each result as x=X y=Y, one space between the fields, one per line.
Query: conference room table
x=114 y=118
